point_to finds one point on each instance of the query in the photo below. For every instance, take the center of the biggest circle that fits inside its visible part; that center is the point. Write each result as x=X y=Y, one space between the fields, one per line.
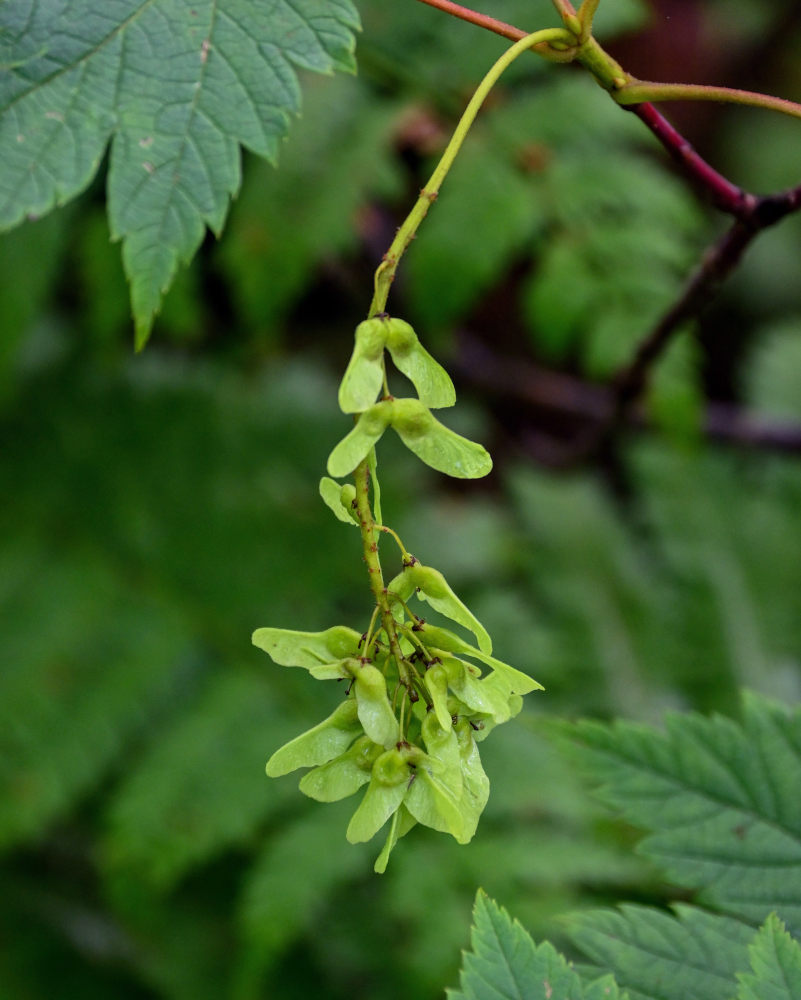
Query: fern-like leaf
x=505 y=964
x=720 y=797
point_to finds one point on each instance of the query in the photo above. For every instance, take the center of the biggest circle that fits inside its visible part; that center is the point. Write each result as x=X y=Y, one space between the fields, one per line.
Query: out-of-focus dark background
x=157 y=508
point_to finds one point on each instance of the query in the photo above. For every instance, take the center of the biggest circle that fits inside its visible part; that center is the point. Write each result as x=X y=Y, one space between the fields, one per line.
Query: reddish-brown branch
x=482 y=20
x=718 y=262
x=718 y=189
x=543 y=397
x=713 y=185
x=751 y=213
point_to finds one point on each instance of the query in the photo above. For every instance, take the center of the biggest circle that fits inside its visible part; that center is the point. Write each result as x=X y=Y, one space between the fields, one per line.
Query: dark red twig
x=540 y=394
x=713 y=185
x=718 y=189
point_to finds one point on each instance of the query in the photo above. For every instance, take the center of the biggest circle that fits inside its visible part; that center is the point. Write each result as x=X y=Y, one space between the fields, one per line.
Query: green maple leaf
x=177 y=86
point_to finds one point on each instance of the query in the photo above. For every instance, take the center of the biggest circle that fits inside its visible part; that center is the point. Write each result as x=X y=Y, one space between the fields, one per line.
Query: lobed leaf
x=179 y=86
x=692 y=955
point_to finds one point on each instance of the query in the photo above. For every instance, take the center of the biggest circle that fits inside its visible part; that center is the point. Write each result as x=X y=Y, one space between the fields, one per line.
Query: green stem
x=639 y=91
x=607 y=72
x=368 y=528
x=385 y=274
x=369 y=633
x=419 y=646
x=389 y=531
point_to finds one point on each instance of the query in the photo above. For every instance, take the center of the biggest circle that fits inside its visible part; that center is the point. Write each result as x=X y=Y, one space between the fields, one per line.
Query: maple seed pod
x=400 y=337
x=371 y=335
x=375 y=712
x=347 y=495
x=391 y=768
x=412 y=418
x=436 y=681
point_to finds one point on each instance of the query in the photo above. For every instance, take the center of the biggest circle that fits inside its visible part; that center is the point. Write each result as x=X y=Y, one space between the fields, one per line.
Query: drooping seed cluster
x=419 y=697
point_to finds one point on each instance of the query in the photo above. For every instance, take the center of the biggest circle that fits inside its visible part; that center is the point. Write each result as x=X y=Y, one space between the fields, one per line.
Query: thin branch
x=541 y=393
x=751 y=215
x=482 y=20
x=717 y=263
x=708 y=181
x=718 y=189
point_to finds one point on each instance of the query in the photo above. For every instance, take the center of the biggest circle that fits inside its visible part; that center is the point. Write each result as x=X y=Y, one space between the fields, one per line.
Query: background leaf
x=658 y=956
x=776 y=961
x=505 y=963
x=720 y=798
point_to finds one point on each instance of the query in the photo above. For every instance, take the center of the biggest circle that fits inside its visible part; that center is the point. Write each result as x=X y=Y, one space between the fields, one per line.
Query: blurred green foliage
x=158 y=508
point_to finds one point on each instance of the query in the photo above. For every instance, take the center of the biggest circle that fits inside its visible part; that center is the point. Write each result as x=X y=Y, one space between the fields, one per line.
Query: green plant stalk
x=577 y=44
x=368 y=530
x=383 y=281
x=385 y=274
x=608 y=73
x=639 y=91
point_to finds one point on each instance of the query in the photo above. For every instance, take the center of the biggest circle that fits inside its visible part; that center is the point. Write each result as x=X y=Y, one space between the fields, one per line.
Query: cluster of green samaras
x=416 y=703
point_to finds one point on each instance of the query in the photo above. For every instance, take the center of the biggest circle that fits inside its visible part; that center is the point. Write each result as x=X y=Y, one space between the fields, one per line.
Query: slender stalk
x=389 y=531
x=368 y=528
x=720 y=191
x=608 y=73
x=481 y=20
x=385 y=274
x=638 y=91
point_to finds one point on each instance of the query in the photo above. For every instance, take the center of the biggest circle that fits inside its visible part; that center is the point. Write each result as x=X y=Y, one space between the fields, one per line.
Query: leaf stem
x=385 y=274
